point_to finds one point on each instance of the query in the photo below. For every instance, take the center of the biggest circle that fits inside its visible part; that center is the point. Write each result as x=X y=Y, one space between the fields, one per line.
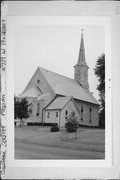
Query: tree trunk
x=76 y=134
x=20 y=122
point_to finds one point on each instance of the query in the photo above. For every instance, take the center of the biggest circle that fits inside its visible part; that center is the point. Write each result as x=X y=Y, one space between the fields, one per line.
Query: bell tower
x=81 y=68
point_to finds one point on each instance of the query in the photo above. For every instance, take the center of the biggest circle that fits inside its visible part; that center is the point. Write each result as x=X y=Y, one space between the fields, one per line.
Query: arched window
x=30 y=108
x=56 y=114
x=38 y=81
x=48 y=115
x=90 y=113
x=66 y=112
x=38 y=107
x=72 y=113
x=82 y=113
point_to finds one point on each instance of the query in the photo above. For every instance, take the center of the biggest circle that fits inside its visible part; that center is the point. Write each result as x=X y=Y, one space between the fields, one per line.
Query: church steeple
x=81 y=57
x=81 y=68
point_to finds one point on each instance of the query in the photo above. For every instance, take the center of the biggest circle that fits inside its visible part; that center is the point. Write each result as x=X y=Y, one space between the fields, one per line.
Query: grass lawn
x=88 y=139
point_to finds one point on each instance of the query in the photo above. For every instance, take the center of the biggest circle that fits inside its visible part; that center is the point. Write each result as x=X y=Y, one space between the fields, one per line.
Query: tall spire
x=81 y=57
x=81 y=68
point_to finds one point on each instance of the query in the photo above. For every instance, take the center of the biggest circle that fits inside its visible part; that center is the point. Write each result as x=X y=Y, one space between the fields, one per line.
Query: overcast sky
x=56 y=48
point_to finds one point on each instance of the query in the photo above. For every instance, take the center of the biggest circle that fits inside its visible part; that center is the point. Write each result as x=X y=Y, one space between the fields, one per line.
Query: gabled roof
x=65 y=86
x=44 y=96
x=60 y=85
x=31 y=92
x=45 y=99
x=58 y=103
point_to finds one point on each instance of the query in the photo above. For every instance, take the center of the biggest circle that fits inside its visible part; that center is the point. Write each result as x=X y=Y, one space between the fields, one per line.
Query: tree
x=72 y=123
x=21 y=109
x=100 y=73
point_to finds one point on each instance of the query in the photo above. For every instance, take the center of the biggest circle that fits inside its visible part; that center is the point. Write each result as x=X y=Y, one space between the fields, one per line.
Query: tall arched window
x=90 y=113
x=38 y=81
x=82 y=113
x=30 y=108
x=38 y=107
x=66 y=113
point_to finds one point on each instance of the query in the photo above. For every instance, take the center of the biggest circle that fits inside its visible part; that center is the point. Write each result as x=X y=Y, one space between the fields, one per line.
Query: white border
x=77 y=8
x=13 y=22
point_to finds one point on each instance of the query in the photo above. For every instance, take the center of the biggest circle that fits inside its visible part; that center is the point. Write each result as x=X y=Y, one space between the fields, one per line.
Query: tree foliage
x=54 y=128
x=72 y=123
x=100 y=73
x=21 y=108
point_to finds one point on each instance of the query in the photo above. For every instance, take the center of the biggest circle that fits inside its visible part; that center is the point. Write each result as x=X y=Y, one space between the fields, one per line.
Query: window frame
x=48 y=114
x=57 y=114
x=90 y=111
x=82 y=109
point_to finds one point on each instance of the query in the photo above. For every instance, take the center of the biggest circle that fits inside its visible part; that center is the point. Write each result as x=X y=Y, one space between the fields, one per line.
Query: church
x=52 y=97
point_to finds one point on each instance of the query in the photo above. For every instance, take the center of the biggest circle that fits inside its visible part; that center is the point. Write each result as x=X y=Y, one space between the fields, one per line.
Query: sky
x=56 y=48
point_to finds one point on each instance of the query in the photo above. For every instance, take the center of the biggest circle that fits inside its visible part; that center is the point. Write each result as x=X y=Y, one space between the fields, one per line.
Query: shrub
x=72 y=123
x=54 y=128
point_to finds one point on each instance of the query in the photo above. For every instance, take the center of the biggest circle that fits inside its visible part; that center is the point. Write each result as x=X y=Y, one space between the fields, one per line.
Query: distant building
x=52 y=96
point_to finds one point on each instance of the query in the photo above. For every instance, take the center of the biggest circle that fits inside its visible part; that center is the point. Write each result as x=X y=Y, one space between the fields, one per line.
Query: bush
x=72 y=123
x=54 y=128
x=37 y=114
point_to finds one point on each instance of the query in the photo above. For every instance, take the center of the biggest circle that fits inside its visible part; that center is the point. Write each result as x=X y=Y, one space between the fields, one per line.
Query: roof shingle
x=65 y=86
x=58 y=103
